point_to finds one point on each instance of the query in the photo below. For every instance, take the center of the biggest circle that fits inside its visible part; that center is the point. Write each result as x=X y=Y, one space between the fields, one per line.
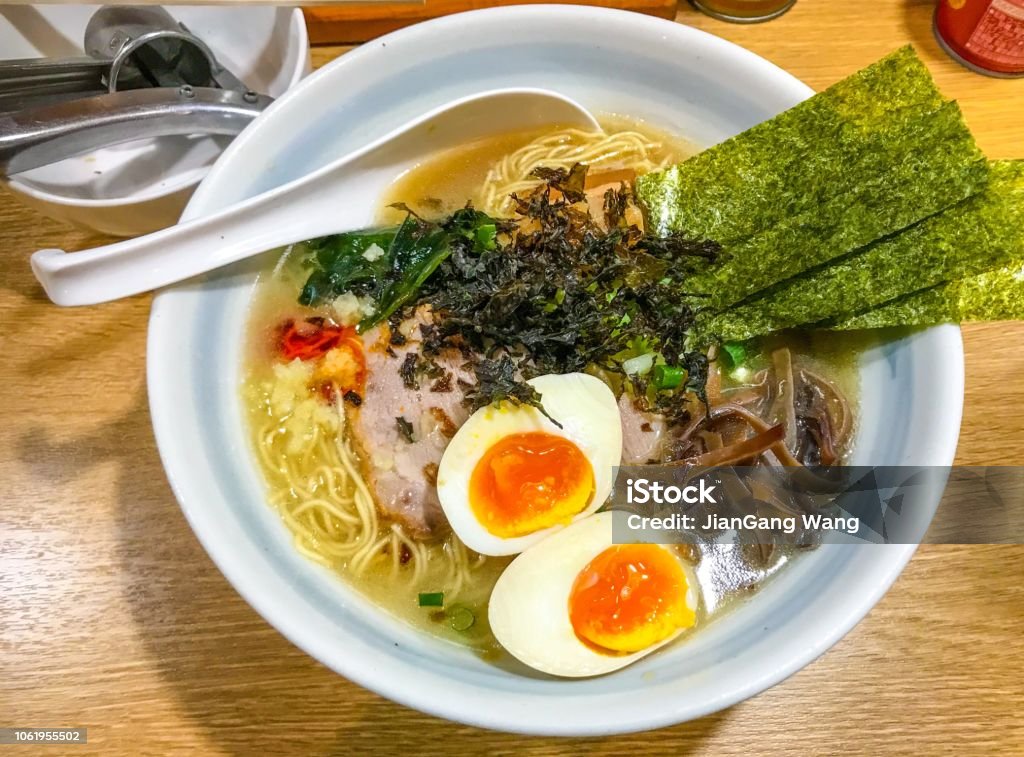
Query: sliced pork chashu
x=400 y=464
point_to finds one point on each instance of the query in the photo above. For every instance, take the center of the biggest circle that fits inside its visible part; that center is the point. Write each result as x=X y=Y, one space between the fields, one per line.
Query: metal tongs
x=144 y=75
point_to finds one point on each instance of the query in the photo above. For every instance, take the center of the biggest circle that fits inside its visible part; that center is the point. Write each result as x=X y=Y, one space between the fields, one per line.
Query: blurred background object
x=744 y=11
x=145 y=75
x=143 y=185
x=345 y=23
x=986 y=36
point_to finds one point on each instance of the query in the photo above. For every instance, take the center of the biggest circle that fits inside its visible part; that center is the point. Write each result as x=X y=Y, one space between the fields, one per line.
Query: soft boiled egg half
x=578 y=605
x=510 y=476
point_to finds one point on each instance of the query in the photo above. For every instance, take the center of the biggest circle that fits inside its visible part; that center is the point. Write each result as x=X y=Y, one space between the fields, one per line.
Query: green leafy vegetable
x=976 y=235
x=339 y=264
x=431 y=599
x=411 y=253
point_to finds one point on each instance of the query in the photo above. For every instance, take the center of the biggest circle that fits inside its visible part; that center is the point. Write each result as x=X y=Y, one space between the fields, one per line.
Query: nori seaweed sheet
x=978 y=234
x=996 y=295
x=787 y=165
x=937 y=168
x=868 y=157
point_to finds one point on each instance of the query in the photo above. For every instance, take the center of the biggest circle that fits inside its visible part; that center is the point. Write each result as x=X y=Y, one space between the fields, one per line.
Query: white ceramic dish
x=677 y=78
x=143 y=186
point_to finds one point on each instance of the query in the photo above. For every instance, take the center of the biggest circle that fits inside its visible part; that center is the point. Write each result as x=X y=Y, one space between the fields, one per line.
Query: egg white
x=529 y=606
x=589 y=415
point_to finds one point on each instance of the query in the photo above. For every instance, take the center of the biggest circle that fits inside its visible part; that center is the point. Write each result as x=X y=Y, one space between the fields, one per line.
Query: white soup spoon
x=341 y=196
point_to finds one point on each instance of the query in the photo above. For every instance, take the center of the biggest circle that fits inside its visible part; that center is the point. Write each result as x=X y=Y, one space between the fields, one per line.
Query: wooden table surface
x=112 y=617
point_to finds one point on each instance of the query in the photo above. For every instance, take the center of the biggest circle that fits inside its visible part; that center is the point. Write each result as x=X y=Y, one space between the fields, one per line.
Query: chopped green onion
x=461 y=618
x=486 y=236
x=734 y=354
x=668 y=376
x=432 y=599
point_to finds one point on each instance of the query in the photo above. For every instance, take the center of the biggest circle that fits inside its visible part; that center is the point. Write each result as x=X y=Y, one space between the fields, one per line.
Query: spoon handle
x=180 y=252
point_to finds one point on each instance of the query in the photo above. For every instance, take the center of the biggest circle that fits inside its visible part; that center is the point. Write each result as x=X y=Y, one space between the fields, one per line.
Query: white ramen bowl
x=142 y=186
x=678 y=79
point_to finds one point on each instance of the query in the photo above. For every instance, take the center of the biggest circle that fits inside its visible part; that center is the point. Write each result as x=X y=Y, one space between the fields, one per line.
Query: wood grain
x=112 y=617
x=359 y=22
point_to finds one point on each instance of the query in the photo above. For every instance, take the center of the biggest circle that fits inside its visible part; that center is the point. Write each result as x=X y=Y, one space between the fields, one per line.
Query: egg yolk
x=629 y=598
x=529 y=481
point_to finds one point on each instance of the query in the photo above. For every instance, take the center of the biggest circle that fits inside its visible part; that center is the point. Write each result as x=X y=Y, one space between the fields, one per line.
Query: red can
x=984 y=35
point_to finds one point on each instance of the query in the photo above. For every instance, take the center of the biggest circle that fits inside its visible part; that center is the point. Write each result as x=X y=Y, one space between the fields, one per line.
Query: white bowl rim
x=157 y=190
x=374 y=674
